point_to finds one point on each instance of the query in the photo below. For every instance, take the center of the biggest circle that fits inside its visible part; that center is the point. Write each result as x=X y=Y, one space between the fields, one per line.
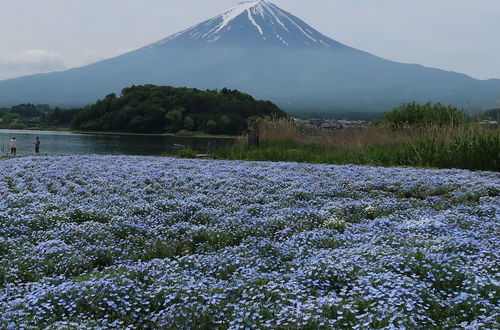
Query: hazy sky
x=47 y=35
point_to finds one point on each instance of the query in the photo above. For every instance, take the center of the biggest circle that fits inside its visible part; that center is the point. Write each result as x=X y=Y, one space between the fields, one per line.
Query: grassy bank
x=467 y=146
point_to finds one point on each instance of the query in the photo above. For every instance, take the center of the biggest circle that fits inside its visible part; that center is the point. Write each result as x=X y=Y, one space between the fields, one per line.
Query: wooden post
x=253 y=137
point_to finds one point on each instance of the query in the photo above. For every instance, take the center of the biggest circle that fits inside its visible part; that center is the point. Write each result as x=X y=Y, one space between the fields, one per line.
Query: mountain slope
x=260 y=49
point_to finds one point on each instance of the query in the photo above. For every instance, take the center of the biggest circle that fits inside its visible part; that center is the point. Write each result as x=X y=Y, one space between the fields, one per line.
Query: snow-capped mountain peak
x=253 y=23
x=237 y=10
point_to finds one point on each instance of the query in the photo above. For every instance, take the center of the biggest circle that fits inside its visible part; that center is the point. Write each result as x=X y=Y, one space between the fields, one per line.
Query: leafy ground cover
x=141 y=242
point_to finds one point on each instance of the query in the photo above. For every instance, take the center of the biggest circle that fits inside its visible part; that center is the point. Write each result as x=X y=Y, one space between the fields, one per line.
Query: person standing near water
x=37 y=145
x=13 y=146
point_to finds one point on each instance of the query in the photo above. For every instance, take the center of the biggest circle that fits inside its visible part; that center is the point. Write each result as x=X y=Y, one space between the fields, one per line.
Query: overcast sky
x=47 y=35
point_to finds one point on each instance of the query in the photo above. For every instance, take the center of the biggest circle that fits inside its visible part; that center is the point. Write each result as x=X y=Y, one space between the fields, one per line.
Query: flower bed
x=114 y=241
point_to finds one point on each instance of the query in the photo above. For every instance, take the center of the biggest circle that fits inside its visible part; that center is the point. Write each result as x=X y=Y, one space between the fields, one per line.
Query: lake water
x=66 y=143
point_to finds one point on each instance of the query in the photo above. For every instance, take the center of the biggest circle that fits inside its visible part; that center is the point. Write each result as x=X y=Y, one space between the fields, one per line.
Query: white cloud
x=30 y=62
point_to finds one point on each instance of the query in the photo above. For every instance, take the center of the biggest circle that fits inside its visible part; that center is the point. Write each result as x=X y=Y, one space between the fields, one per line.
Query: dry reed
x=289 y=130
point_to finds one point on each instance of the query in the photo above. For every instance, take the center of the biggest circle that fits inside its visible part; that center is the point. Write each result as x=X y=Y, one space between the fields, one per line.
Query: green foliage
x=59 y=117
x=28 y=115
x=414 y=114
x=174 y=120
x=224 y=123
x=186 y=153
x=27 y=110
x=473 y=151
x=16 y=126
x=189 y=123
x=252 y=121
x=24 y=116
x=211 y=126
x=158 y=109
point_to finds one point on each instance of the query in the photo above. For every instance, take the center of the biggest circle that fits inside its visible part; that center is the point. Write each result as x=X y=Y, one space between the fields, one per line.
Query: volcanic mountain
x=265 y=51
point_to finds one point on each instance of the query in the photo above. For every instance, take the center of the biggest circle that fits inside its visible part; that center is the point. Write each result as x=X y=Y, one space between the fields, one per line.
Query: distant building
x=489 y=123
x=332 y=124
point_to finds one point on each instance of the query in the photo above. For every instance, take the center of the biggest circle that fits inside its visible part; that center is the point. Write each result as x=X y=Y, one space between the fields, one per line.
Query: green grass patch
x=186 y=153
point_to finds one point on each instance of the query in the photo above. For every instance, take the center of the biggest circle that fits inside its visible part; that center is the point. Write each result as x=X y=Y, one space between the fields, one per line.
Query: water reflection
x=63 y=143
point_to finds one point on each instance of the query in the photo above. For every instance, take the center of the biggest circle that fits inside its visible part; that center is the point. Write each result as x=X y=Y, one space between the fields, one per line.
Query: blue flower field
x=114 y=242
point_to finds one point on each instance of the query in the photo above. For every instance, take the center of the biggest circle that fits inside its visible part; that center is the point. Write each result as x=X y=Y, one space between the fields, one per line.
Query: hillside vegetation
x=162 y=109
x=39 y=116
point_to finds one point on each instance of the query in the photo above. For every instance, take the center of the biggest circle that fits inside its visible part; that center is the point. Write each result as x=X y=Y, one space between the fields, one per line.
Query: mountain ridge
x=250 y=48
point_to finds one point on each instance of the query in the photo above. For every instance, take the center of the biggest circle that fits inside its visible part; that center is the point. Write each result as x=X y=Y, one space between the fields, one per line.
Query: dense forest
x=163 y=109
x=39 y=116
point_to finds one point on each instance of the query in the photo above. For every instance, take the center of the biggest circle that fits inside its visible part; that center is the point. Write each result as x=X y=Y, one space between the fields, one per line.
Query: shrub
x=414 y=114
x=186 y=153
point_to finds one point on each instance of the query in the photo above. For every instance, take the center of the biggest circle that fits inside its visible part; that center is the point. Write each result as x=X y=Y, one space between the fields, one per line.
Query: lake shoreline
x=74 y=142
x=67 y=130
x=156 y=134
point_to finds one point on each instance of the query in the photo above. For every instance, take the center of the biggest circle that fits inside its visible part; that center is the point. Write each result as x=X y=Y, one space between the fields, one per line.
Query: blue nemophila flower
x=115 y=242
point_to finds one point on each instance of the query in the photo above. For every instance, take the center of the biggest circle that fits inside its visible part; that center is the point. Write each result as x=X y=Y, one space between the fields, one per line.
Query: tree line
x=28 y=115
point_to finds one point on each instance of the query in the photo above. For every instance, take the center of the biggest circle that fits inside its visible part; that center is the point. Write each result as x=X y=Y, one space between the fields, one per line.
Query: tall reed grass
x=466 y=146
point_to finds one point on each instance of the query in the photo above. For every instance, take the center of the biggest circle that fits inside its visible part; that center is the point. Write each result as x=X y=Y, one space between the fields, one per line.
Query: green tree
x=414 y=114
x=189 y=123
x=174 y=120
x=211 y=126
x=227 y=126
x=27 y=110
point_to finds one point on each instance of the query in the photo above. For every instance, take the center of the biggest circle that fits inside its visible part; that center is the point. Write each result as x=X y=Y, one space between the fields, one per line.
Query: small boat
x=179 y=145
